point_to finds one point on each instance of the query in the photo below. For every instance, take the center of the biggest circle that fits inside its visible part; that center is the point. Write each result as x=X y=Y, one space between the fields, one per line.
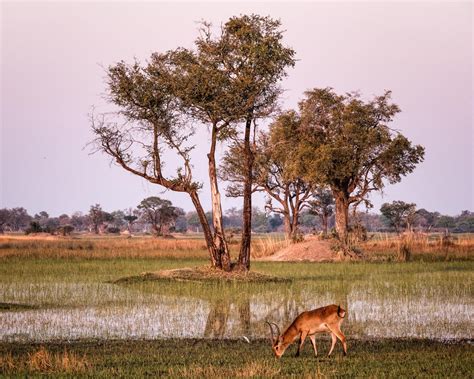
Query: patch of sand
x=312 y=250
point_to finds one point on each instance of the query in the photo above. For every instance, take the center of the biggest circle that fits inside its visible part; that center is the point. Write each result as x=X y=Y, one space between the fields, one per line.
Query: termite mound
x=203 y=274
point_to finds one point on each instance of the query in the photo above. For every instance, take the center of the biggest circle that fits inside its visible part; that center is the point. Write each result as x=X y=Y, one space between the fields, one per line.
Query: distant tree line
x=160 y=217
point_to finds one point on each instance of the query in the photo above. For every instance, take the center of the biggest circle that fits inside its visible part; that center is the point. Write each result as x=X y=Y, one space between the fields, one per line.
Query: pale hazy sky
x=52 y=56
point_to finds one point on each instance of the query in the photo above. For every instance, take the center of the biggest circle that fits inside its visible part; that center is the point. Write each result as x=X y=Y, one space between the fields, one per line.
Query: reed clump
x=268 y=245
x=45 y=362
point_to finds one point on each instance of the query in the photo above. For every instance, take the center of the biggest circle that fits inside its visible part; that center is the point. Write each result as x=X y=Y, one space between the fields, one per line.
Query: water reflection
x=219 y=312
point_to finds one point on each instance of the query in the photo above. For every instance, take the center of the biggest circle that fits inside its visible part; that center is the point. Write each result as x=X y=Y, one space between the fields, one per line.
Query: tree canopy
x=348 y=145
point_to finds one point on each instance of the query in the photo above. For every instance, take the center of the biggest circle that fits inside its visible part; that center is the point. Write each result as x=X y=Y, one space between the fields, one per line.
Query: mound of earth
x=202 y=274
x=312 y=250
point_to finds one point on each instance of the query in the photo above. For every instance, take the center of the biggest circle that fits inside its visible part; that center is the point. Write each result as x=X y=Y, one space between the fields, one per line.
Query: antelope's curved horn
x=278 y=329
x=271 y=331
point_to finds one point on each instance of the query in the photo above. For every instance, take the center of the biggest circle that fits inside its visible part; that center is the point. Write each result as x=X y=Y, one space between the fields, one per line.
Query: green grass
x=230 y=358
x=394 y=312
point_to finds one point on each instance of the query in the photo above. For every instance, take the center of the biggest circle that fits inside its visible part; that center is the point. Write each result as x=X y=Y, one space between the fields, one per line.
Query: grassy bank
x=232 y=358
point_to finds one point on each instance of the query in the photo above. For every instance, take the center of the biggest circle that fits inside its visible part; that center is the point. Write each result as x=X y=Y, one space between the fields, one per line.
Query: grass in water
x=57 y=291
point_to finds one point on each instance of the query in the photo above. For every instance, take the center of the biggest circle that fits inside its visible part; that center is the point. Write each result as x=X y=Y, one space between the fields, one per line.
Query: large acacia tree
x=254 y=56
x=347 y=144
x=225 y=81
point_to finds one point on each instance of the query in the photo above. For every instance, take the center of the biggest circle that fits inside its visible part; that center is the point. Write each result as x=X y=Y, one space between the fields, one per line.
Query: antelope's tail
x=339 y=313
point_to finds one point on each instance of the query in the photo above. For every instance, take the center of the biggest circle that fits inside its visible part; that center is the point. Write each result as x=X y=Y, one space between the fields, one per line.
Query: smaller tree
x=322 y=206
x=4 y=217
x=348 y=146
x=130 y=216
x=273 y=171
x=66 y=230
x=79 y=221
x=96 y=217
x=399 y=214
x=19 y=218
x=34 y=227
x=160 y=213
x=426 y=219
x=117 y=219
x=64 y=219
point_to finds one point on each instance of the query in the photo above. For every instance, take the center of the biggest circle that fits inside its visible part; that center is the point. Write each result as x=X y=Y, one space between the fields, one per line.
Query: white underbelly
x=322 y=328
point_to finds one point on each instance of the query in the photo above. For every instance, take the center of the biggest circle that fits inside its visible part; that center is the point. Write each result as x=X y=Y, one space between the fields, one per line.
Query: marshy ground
x=62 y=312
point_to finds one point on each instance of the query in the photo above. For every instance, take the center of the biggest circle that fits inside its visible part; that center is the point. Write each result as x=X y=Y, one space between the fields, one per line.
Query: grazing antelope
x=327 y=319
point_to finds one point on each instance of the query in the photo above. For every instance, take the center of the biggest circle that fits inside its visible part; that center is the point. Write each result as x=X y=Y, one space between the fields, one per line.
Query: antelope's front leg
x=313 y=342
x=300 y=346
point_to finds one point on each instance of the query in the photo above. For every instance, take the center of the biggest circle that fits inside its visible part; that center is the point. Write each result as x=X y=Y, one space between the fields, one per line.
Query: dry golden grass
x=107 y=247
x=7 y=364
x=379 y=247
x=102 y=248
x=45 y=362
x=266 y=246
x=420 y=244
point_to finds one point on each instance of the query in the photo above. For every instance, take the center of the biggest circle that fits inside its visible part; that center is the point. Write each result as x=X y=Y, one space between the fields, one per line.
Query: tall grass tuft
x=269 y=245
x=43 y=361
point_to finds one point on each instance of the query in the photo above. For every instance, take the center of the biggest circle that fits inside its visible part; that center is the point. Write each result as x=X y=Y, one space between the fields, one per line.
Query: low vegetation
x=233 y=358
x=61 y=313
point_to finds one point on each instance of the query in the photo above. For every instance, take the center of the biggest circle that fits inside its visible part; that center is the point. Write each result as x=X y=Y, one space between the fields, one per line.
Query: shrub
x=113 y=230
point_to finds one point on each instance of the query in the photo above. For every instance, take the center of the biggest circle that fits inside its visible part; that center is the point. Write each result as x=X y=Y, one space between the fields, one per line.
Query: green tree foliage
x=159 y=213
x=347 y=144
x=130 y=216
x=399 y=214
x=4 y=218
x=96 y=217
x=322 y=205
x=225 y=80
x=256 y=60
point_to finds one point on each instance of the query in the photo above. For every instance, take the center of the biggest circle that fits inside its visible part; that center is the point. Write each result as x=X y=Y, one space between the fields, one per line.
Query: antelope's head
x=278 y=346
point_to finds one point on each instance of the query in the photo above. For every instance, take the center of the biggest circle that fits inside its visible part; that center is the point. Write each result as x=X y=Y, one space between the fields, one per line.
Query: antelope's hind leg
x=333 y=343
x=313 y=342
x=342 y=338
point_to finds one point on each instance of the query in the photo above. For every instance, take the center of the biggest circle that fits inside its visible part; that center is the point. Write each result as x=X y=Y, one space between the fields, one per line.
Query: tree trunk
x=156 y=229
x=219 y=235
x=324 y=220
x=244 y=255
x=294 y=225
x=288 y=230
x=342 y=216
x=211 y=247
x=287 y=220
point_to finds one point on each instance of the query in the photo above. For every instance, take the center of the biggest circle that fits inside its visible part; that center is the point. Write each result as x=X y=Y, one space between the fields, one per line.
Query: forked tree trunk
x=294 y=225
x=219 y=235
x=342 y=218
x=211 y=247
x=244 y=254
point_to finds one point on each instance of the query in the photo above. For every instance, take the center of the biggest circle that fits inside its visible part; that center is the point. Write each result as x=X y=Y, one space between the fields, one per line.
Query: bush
x=66 y=230
x=113 y=230
x=34 y=227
